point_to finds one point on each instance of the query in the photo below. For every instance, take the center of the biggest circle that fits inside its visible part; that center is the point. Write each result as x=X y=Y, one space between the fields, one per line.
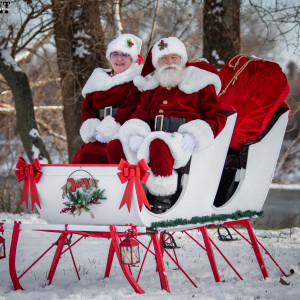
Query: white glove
x=135 y=142
x=99 y=137
x=187 y=143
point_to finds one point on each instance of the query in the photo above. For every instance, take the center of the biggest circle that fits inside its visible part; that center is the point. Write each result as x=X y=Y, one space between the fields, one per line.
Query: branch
x=153 y=25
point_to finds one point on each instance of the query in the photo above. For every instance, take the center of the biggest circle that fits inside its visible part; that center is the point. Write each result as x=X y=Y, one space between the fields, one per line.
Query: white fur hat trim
x=162 y=185
x=122 y=44
x=173 y=140
x=87 y=130
x=169 y=45
x=108 y=128
x=128 y=129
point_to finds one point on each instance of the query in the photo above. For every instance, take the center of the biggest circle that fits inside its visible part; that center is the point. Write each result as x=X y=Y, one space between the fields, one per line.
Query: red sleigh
x=107 y=201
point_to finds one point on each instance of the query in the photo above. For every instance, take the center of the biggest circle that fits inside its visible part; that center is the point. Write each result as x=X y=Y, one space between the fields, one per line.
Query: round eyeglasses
x=116 y=55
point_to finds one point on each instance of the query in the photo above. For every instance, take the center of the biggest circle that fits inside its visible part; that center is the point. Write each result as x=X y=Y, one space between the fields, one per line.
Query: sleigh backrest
x=256 y=89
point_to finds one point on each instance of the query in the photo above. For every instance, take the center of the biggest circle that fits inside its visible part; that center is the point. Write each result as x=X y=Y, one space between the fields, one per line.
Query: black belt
x=162 y=123
x=106 y=111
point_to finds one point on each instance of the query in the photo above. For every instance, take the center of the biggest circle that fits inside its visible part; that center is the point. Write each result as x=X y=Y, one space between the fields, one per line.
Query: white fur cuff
x=130 y=128
x=87 y=130
x=162 y=185
x=108 y=128
x=201 y=132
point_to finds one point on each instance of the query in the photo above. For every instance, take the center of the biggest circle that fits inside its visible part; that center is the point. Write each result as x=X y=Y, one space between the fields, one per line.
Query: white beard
x=170 y=78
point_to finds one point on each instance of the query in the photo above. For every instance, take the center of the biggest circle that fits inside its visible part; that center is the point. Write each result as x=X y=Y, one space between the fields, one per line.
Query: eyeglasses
x=116 y=55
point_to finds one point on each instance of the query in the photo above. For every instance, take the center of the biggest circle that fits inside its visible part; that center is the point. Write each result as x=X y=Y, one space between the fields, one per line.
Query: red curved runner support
x=110 y=258
x=12 y=256
x=210 y=253
x=59 y=249
x=116 y=243
x=160 y=263
x=256 y=249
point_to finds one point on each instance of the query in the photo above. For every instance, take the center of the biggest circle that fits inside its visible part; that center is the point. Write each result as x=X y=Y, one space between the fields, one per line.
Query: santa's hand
x=187 y=143
x=98 y=136
x=135 y=142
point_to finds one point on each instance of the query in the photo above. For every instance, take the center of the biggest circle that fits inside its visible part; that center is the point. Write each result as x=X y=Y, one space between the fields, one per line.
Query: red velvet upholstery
x=256 y=94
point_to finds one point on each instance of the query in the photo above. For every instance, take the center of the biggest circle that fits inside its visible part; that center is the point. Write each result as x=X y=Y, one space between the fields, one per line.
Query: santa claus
x=110 y=97
x=179 y=113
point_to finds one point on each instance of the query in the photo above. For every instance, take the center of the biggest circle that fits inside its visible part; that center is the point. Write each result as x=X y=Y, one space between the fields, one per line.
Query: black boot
x=160 y=204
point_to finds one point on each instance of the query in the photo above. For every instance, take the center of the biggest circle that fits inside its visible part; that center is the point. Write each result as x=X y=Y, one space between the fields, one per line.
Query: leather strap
x=162 y=123
x=106 y=111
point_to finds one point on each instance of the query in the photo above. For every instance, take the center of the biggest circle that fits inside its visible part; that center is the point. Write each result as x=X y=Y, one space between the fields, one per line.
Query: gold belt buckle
x=109 y=110
x=159 y=118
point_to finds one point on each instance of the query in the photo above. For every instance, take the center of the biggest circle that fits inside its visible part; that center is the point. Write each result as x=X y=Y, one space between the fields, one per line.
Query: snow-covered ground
x=91 y=254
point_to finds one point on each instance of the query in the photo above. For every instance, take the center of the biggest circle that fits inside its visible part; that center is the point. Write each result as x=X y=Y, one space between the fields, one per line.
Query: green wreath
x=80 y=201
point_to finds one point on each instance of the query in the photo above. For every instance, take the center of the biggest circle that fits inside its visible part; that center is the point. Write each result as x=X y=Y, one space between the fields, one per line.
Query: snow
x=34 y=133
x=36 y=154
x=217 y=57
x=90 y=255
x=8 y=60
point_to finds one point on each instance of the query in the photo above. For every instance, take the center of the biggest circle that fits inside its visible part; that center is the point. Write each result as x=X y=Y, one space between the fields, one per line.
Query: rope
x=242 y=68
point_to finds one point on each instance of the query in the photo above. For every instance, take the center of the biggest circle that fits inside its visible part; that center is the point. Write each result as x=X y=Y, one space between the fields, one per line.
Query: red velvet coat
x=102 y=91
x=203 y=104
x=195 y=98
x=124 y=96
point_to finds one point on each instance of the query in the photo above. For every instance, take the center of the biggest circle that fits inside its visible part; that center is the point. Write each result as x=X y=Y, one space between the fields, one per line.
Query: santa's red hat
x=126 y=43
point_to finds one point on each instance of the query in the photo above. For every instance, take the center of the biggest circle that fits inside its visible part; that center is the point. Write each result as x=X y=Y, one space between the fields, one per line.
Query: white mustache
x=164 y=67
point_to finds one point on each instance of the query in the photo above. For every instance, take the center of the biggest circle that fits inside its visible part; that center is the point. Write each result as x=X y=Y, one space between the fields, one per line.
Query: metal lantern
x=2 y=247
x=129 y=250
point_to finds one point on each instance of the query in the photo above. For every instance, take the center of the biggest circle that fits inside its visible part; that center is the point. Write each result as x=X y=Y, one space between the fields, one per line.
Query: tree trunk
x=26 y=124
x=80 y=49
x=221 y=27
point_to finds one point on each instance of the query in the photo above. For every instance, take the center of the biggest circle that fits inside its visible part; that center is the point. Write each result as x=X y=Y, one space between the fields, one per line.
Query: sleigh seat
x=248 y=173
x=256 y=89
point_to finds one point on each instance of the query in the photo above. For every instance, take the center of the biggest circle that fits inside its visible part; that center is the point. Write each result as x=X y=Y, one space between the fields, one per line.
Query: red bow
x=134 y=174
x=32 y=176
x=140 y=59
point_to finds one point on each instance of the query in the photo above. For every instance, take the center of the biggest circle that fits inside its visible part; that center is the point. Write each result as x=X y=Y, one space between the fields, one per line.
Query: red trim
x=12 y=257
x=79 y=165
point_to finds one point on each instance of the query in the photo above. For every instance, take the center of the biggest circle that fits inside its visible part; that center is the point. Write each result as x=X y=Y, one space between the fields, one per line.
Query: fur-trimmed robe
x=100 y=91
x=195 y=98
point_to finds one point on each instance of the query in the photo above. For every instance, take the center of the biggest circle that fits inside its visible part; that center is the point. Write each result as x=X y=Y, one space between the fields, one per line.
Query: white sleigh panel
x=199 y=189
x=50 y=191
x=255 y=180
x=200 y=186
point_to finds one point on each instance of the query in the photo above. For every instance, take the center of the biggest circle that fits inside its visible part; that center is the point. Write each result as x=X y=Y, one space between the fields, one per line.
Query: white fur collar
x=194 y=80
x=101 y=81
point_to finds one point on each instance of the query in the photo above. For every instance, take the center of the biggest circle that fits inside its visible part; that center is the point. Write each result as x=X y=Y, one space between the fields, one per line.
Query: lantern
x=2 y=247
x=129 y=250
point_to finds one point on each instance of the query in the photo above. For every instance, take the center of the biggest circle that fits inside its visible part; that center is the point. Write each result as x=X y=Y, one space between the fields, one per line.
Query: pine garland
x=206 y=219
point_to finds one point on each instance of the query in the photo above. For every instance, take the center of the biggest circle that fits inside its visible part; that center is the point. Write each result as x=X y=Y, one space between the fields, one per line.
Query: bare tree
x=221 y=27
x=81 y=47
x=281 y=21
x=14 y=39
